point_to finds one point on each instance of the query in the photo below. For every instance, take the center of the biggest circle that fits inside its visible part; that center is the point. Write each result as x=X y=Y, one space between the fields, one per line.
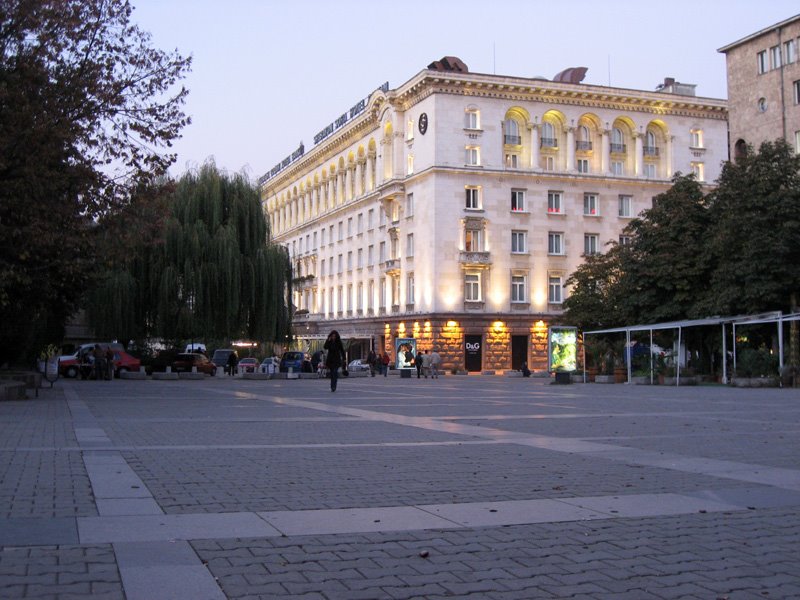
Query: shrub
x=752 y=362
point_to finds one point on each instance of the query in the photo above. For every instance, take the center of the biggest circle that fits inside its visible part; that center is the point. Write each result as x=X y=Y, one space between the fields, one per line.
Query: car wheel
x=71 y=372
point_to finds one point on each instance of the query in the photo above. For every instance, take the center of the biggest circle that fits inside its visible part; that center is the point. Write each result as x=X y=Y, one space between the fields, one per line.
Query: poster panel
x=405 y=349
x=562 y=348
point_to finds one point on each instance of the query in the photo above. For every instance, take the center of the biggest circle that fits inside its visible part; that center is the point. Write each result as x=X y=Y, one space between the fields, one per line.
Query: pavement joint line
x=751 y=473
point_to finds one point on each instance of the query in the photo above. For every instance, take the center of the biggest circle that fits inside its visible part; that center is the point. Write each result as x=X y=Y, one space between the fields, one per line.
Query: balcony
x=584 y=146
x=549 y=143
x=619 y=148
x=391 y=266
x=474 y=258
x=304 y=281
x=651 y=150
x=513 y=140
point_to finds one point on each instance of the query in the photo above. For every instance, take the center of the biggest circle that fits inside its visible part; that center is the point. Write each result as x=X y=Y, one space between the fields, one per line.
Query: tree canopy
x=88 y=109
x=734 y=250
x=202 y=266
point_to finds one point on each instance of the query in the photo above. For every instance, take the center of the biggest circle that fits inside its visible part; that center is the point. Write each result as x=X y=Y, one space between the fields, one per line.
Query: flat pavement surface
x=459 y=487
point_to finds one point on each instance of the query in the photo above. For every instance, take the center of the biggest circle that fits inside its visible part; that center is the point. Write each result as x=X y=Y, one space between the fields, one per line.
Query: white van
x=191 y=348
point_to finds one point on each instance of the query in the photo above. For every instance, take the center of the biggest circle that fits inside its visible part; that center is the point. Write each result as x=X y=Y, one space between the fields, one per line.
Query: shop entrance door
x=519 y=351
x=473 y=355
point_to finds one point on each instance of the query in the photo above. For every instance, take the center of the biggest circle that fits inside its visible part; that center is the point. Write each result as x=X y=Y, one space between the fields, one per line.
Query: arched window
x=549 y=135
x=650 y=148
x=617 y=140
x=584 y=141
x=512 y=132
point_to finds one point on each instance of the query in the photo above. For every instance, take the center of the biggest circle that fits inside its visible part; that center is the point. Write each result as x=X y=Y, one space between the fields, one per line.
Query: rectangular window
x=617 y=167
x=410 y=245
x=382 y=252
x=472 y=287
x=696 y=138
x=519 y=288
x=473 y=240
x=340 y=262
x=381 y=217
x=360 y=223
x=549 y=163
x=330 y=235
x=383 y=294
x=650 y=170
x=699 y=171
x=410 y=205
x=512 y=161
x=371 y=255
x=790 y=51
x=517 y=200
x=624 y=240
x=473 y=200
x=761 y=58
x=410 y=164
x=410 y=289
x=583 y=165
x=554 y=202
x=471 y=119
x=554 y=289
x=775 y=57
x=322 y=236
x=590 y=244
x=797 y=142
x=370 y=294
x=350 y=227
x=555 y=243
x=349 y=297
x=796 y=89
x=341 y=231
x=625 y=206
x=315 y=240
x=370 y=219
x=590 y=204
x=340 y=299
x=519 y=242
x=322 y=268
x=330 y=301
x=360 y=258
x=472 y=156
x=360 y=297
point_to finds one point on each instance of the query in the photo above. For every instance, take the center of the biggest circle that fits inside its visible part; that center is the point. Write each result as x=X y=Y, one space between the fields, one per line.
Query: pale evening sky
x=268 y=74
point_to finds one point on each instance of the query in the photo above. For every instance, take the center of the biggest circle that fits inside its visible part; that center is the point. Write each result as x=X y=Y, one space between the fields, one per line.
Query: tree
x=205 y=270
x=593 y=302
x=756 y=239
x=86 y=112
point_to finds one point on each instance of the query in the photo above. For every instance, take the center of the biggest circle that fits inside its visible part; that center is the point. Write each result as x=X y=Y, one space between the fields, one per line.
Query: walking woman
x=335 y=357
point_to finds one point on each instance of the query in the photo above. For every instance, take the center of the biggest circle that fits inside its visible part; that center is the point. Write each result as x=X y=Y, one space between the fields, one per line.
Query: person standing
x=99 y=363
x=426 y=363
x=418 y=363
x=335 y=357
x=232 y=362
x=371 y=360
x=385 y=360
x=436 y=360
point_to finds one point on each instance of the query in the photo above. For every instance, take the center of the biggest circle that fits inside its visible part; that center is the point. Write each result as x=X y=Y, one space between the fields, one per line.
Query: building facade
x=453 y=208
x=764 y=86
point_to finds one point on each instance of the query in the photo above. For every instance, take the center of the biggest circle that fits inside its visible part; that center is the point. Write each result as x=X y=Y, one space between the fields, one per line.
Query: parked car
x=196 y=347
x=248 y=365
x=357 y=365
x=72 y=365
x=184 y=362
x=270 y=365
x=222 y=355
x=298 y=361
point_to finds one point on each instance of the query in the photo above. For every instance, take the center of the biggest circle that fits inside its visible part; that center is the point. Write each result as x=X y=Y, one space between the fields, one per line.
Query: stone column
x=638 y=158
x=605 y=142
x=570 y=131
x=534 y=128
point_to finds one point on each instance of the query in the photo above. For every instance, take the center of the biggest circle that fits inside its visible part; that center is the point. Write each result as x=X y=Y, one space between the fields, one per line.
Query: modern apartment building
x=452 y=208
x=764 y=86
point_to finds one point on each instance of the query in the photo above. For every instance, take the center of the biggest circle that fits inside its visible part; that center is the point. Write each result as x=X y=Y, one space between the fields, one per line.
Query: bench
x=12 y=390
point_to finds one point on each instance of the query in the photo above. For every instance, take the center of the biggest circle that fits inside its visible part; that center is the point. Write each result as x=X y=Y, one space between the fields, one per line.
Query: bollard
x=169 y=369
x=194 y=369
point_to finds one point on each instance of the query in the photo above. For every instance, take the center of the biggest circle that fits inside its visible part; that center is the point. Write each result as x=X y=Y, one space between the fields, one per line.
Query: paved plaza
x=462 y=487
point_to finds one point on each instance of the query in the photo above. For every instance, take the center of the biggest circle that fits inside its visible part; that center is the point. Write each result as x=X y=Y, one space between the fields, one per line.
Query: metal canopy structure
x=769 y=317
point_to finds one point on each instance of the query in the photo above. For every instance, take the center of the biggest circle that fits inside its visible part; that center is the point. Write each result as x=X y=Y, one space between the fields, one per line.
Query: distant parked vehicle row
x=184 y=363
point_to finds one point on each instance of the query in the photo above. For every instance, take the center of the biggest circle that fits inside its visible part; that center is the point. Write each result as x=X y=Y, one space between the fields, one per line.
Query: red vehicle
x=79 y=363
x=184 y=363
x=248 y=365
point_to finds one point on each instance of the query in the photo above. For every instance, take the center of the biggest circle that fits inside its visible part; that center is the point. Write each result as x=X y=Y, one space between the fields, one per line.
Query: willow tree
x=213 y=273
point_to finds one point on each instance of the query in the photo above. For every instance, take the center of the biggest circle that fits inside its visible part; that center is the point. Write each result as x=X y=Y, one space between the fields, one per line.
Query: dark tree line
x=735 y=250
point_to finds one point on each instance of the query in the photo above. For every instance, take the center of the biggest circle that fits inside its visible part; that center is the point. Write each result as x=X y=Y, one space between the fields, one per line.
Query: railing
x=579 y=145
x=549 y=143
x=618 y=148
x=650 y=150
x=474 y=258
x=391 y=265
x=512 y=139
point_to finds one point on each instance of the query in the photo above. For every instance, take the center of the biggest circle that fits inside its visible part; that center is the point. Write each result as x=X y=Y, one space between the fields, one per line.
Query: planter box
x=604 y=379
x=579 y=378
x=640 y=379
x=754 y=382
x=687 y=380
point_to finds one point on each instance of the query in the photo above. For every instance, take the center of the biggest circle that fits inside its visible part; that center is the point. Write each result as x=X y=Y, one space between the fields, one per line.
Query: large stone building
x=764 y=86
x=452 y=208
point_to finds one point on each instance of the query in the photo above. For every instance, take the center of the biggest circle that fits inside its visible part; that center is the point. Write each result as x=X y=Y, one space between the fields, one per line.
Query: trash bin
x=563 y=377
x=405 y=373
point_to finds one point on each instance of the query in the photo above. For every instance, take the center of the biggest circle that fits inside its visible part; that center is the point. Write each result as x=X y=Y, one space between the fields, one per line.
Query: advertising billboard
x=405 y=349
x=562 y=348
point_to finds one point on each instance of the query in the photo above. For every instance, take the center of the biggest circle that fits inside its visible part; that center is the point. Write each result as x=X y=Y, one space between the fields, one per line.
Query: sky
x=268 y=74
